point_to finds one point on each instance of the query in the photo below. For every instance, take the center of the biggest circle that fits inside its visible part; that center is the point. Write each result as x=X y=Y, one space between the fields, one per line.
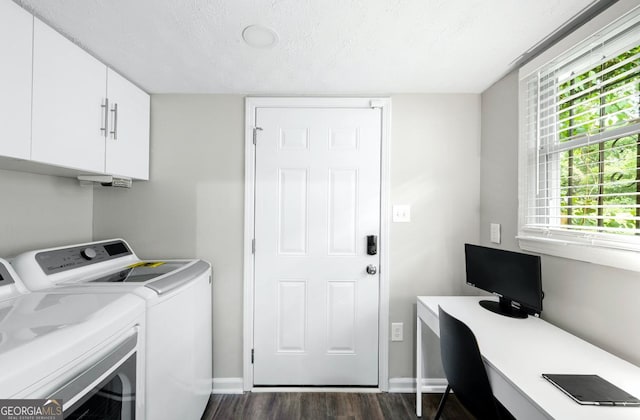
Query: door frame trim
x=251 y=104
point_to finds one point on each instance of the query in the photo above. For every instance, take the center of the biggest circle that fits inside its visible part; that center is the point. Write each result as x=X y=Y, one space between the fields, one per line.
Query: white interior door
x=317 y=198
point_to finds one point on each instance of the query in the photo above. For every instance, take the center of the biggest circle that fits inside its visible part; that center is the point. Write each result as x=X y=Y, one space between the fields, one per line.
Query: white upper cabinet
x=127 y=147
x=69 y=89
x=63 y=111
x=16 y=26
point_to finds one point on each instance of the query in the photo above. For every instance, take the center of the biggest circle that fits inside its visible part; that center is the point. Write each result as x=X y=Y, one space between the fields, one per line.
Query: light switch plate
x=495 y=233
x=401 y=213
x=396 y=331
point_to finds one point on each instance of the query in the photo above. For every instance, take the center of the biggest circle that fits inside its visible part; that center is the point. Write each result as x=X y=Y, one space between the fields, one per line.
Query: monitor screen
x=513 y=276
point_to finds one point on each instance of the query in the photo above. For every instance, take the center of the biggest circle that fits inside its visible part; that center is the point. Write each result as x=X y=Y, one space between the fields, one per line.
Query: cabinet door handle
x=114 y=132
x=105 y=117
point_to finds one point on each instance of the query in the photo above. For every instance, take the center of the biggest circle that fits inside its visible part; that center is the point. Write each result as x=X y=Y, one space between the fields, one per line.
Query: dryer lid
x=42 y=332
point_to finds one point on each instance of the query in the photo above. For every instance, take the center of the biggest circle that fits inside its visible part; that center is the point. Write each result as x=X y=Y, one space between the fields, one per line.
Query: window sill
x=612 y=257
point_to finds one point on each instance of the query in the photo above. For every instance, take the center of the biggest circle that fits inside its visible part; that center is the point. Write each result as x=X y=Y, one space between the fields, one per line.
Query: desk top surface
x=522 y=349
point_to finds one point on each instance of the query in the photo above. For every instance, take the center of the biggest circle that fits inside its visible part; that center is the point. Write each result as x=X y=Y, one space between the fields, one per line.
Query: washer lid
x=141 y=272
x=159 y=276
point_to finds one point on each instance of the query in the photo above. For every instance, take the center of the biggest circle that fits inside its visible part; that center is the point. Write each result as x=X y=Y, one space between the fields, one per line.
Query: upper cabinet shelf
x=83 y=118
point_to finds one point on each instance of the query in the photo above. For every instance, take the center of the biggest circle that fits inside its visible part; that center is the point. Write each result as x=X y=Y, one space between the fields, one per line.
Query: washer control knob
x=88 y=253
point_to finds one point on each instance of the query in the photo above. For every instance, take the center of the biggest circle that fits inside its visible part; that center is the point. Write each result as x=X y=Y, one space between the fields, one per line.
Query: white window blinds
x=580 y=143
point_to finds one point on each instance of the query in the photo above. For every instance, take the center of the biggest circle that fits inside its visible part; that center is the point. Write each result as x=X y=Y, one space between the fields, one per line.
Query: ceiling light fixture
x=258 y=36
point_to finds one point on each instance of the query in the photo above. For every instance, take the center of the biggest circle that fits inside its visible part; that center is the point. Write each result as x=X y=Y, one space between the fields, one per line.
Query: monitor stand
x=503 y=307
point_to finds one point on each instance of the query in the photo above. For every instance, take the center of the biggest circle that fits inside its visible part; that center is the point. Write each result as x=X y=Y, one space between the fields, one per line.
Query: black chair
x=465 y=370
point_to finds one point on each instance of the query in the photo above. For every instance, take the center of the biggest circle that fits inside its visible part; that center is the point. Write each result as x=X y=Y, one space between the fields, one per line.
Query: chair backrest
x=464 y=368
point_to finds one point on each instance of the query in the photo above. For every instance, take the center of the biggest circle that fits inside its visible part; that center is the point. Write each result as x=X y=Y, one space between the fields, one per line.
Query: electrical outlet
x=396 y=331
x=401 y=213
x=495 y=233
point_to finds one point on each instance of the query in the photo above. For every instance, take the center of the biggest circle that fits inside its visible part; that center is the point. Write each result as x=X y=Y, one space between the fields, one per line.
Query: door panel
x=292 y=219
x=292 y=315
x=343 y=211
x=341 y=316
x=317 y=198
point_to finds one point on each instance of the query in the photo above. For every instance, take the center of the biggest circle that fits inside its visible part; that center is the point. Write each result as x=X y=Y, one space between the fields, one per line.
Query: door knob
x=372 y=269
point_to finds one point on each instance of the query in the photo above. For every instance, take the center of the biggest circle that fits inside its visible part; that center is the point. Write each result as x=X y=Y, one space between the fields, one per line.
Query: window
x=580 y=150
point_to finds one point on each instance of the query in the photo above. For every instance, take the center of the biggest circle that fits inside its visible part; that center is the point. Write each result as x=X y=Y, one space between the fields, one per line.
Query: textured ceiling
x=326 y=46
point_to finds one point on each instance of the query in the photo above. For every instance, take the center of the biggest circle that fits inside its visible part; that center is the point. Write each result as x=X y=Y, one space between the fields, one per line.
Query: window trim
x=612 y=257
x=582 y=246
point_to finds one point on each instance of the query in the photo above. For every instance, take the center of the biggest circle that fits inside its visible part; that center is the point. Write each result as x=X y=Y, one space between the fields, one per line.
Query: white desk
x=517 y=351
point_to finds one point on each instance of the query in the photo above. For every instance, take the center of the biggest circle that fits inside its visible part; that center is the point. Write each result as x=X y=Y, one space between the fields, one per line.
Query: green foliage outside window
x=599 y=183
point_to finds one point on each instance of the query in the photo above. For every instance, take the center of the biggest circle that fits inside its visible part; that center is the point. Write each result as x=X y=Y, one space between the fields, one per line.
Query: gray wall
x=193 y=205
x=597 y=303
x=435 y=164
x=39 y=211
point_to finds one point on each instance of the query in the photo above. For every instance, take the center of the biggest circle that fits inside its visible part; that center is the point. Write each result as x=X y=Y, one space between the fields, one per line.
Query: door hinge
x=253 y=246
x=251 y=356
x=255 y=134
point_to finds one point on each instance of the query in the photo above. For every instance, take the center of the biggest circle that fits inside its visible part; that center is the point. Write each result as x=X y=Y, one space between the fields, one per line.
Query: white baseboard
x=355 y=390
x=408 y=385
x=227 y=386
x=399 y=385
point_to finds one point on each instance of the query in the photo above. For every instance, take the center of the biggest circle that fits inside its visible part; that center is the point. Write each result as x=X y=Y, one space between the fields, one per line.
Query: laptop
x=591 y=390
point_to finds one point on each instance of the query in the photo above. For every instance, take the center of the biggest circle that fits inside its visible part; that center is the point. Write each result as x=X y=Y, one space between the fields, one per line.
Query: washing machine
x=178 y=328
x=82 y=351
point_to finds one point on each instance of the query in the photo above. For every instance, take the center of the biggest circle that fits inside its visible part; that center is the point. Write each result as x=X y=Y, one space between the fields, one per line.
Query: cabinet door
x=128 y=139
x=16 y=31
x=69 y=87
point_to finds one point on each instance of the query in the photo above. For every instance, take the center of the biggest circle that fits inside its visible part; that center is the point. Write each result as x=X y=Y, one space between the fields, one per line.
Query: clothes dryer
x=178 y=314
x=83 y=350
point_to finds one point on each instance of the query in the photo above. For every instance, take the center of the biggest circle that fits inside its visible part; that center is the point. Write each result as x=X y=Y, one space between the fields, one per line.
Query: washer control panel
x=65 y=259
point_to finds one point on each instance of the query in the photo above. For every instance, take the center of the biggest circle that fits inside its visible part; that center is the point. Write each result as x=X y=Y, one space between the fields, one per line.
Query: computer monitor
x=514 y=277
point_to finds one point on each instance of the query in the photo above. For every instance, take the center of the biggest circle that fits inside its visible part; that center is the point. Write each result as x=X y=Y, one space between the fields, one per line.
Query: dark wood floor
x=330 y=405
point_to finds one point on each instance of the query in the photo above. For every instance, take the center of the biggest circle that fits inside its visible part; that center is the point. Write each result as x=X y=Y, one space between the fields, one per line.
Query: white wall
x=435 y=166
x=38 y=211
x=499 y=169
x=597 y=303
x=193 y=205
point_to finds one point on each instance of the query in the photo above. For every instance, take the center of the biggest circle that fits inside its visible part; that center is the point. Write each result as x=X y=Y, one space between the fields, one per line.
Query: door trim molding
x=251 y=104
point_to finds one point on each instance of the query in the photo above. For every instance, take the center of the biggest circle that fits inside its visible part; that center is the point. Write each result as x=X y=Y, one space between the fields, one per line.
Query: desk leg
x=418 y=367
